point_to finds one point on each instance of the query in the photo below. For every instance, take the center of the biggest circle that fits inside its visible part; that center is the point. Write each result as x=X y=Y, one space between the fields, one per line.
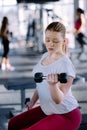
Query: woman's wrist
x=53 y=84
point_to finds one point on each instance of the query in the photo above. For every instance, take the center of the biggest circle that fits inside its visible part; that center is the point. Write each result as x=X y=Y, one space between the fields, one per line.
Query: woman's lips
x=51 y=49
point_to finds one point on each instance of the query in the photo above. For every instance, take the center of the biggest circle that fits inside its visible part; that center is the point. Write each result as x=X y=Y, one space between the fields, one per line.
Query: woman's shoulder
x=66 y=60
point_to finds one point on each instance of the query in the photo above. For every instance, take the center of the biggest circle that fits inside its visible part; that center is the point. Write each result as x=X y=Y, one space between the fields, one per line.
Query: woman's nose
x=51 y=43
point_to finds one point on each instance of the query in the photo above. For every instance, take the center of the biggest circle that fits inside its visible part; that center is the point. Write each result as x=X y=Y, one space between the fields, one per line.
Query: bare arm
x=58 y=90
x=34 y=99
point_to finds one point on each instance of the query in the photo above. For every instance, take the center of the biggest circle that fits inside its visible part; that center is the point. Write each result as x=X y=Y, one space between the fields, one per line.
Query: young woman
x=58 y=109
x=79 y=31
x=5 y=63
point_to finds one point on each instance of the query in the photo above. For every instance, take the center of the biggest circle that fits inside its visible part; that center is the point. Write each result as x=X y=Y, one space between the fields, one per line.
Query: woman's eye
x=47 y=40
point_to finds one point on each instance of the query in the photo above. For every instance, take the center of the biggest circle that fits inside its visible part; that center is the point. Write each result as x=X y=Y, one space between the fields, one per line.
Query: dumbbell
x=38 y=77
x=27 y=100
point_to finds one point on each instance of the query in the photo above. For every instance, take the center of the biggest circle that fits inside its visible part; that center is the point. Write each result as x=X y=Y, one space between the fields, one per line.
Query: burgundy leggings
x=35 y=119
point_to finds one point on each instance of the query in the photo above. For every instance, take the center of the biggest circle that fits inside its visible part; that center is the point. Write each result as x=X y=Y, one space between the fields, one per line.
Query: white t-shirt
x=63 y=65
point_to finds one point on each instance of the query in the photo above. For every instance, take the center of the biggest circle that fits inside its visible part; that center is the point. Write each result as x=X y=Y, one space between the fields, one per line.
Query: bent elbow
x=58 y=101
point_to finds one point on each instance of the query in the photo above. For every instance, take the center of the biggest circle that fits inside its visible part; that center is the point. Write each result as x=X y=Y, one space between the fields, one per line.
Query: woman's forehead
x=53 y=34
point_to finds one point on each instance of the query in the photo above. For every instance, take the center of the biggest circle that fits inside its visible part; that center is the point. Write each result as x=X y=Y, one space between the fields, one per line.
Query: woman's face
x=54 y=41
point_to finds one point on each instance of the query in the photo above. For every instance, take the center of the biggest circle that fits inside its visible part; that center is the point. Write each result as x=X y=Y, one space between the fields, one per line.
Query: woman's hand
x=52 y=79
x=29 y=104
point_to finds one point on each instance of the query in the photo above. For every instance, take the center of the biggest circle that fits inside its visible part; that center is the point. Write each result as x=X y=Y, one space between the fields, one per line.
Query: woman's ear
x=66 y=41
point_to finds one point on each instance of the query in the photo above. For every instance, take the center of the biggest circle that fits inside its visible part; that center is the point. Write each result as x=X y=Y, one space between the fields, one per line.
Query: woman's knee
x=11 y=124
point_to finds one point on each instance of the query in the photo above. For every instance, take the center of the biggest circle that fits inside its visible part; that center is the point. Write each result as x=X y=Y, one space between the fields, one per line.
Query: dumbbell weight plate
x=63 y=78
x=38 y=77
x=27 y=100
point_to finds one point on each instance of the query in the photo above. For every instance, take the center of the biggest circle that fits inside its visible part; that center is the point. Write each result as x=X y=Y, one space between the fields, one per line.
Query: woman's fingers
x=52 y=78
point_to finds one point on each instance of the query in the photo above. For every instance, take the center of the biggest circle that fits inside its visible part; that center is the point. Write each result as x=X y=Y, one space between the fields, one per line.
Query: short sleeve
x=68 y=67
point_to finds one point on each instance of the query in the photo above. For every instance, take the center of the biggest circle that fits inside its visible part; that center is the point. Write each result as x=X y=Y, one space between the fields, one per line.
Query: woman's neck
x=55 y=56
x=51 y=58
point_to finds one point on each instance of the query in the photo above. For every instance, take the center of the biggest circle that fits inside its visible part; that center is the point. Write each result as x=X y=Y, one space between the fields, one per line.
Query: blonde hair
x=65 y=48
x=58 y=27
